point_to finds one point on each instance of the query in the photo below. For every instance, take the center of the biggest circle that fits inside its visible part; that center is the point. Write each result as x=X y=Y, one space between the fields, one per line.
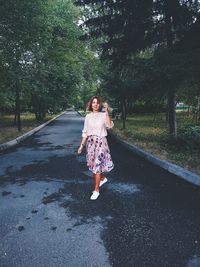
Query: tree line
x=50 y=54
x=151 y=51
x=44 y=65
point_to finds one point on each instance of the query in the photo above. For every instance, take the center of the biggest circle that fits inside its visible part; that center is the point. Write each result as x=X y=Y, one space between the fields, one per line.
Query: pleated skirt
x=98 y=154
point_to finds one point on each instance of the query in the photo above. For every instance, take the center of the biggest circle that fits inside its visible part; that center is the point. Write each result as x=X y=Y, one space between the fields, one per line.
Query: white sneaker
x=94 y=195
x=103 y=181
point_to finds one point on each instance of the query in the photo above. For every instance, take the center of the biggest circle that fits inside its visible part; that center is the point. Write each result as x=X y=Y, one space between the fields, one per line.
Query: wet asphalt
x=144 y=216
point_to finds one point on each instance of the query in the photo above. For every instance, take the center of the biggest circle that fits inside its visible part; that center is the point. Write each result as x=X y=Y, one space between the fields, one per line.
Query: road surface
x=144 y=217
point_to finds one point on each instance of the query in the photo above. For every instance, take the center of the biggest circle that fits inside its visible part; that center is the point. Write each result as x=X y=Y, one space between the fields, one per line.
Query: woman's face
x=95 y=105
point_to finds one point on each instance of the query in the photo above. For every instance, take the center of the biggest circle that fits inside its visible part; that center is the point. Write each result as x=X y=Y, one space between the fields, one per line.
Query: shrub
x=188 y=138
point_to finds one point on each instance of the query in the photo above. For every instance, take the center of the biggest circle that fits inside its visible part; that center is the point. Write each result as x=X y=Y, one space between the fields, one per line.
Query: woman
x=97 y=150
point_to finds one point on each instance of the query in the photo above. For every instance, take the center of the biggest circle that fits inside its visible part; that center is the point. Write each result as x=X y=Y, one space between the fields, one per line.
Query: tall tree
x=129 y=27
x=173 y=19
x=18 y=31
x=41 y=53
x=125 y=26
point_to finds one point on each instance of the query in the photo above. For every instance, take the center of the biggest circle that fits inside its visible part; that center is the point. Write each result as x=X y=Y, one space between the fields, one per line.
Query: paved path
x=144 y=217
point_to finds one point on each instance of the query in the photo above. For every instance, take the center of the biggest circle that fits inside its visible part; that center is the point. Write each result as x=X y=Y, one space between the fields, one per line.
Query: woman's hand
x=105 y=105
x=83 y=142
x=80 y=149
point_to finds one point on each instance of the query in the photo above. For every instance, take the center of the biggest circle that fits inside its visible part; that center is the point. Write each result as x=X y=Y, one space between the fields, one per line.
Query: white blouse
x=95 y=124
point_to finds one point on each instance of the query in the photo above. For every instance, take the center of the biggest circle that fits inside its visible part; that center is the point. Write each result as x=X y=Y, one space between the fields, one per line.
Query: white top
x=95 y=124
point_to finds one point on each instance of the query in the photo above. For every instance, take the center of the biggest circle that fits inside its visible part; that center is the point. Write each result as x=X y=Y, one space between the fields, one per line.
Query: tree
x=42 y=56
x=18 y=32
x=124 y=26
x=130 y=27
x=172 y=20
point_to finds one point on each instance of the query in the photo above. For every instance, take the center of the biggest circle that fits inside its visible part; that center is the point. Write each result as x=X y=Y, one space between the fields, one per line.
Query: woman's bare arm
x=108 y=119
x=83 y=141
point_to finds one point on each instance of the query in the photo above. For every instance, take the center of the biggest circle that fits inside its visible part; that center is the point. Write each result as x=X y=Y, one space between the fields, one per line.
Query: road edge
x=177 y=170
x=19 y=139
x=168 y=166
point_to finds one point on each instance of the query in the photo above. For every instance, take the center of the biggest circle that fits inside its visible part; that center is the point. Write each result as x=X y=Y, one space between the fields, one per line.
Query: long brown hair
x=89 y=106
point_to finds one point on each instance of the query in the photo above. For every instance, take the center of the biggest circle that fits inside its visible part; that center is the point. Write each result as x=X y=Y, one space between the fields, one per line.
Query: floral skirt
x=98 y=154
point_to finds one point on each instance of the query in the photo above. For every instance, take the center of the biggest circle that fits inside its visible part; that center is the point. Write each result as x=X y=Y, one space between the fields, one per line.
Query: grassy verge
x=8 y=131
x=151 y=135
x=82 y=112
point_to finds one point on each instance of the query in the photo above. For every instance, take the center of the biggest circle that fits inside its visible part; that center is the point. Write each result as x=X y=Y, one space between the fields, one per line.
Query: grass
x=151 y=134
x=8 y=131
x=82 y=112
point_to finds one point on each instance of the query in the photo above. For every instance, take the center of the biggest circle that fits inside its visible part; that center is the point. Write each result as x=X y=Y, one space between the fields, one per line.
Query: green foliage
x=42 y=52
x=7 y=101
x=147 y=46
x=150 y=133
x=187 y=139
x=123 y=26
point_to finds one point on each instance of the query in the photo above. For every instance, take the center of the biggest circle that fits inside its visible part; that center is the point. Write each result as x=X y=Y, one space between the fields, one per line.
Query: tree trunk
x=15 y=118
x=172 y=112
x=167 y=117
x=17 y=105
x=123 y=108
x=154 y=116
x=171 y=92
x=188 y=111
x=198 y=110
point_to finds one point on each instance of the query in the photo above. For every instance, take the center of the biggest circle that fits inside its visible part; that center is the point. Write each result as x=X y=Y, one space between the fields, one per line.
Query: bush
x=188 y=138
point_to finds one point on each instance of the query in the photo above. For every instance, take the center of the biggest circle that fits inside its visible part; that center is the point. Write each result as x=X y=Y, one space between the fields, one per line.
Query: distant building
x=181 y=106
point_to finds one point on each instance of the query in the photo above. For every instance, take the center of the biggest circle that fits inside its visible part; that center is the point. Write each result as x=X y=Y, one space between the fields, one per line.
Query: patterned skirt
x=98 y=154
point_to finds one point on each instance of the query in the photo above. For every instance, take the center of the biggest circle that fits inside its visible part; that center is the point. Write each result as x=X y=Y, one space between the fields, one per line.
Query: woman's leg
x=94 y=176
x=97 y=178
x=102 y=177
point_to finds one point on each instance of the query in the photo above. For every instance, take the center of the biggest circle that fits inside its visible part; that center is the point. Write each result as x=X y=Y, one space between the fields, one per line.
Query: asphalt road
x=144 y=217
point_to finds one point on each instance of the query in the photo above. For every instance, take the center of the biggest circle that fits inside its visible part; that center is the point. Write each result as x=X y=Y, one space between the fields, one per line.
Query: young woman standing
x=94 y=136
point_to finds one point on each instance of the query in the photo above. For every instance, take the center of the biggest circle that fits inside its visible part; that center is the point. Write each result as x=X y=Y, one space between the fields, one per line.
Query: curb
x=80 y=113
x=19 y=139
x=170 y=167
